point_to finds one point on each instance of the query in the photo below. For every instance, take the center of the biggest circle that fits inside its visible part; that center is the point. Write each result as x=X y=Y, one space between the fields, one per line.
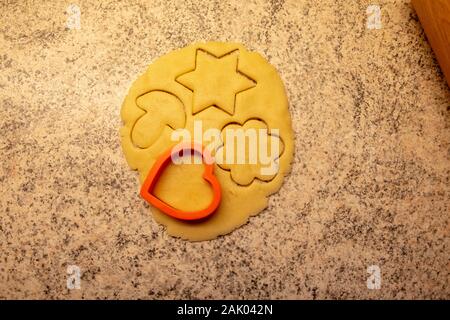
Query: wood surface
x=435 y=18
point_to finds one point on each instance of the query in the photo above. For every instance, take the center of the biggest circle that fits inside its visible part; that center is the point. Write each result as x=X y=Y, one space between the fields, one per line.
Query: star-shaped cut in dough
x=215 y=81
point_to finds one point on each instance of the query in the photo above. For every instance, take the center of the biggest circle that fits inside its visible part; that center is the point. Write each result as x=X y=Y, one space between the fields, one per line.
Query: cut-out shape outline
x=145 y=113
x=269 y=133
x=237 y=71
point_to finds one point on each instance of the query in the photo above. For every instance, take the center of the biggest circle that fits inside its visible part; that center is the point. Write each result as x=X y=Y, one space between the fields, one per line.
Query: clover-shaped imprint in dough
x=162 y=109
x=249 y=151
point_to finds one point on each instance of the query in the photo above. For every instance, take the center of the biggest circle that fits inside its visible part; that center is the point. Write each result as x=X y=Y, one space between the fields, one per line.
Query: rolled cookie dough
x=221 y=84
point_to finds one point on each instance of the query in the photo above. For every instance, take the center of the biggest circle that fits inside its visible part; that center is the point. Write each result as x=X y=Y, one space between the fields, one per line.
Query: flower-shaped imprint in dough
x=216 y=85
x=249 y=151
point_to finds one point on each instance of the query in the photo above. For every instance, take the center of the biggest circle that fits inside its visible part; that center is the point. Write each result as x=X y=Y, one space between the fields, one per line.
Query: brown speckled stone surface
x=369 y=185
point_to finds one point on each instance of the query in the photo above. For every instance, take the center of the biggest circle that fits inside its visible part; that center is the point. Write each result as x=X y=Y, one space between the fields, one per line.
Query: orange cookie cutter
x=159 y=166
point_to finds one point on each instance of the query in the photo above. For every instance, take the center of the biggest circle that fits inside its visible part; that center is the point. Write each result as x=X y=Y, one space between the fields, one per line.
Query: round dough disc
x=224 y=86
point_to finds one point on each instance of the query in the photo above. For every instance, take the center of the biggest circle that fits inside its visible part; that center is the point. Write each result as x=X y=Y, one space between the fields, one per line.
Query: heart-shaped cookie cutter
x=208 y=174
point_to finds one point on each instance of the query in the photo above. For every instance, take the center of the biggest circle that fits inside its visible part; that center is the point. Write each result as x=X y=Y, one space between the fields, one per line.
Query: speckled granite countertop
x=369 y=185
